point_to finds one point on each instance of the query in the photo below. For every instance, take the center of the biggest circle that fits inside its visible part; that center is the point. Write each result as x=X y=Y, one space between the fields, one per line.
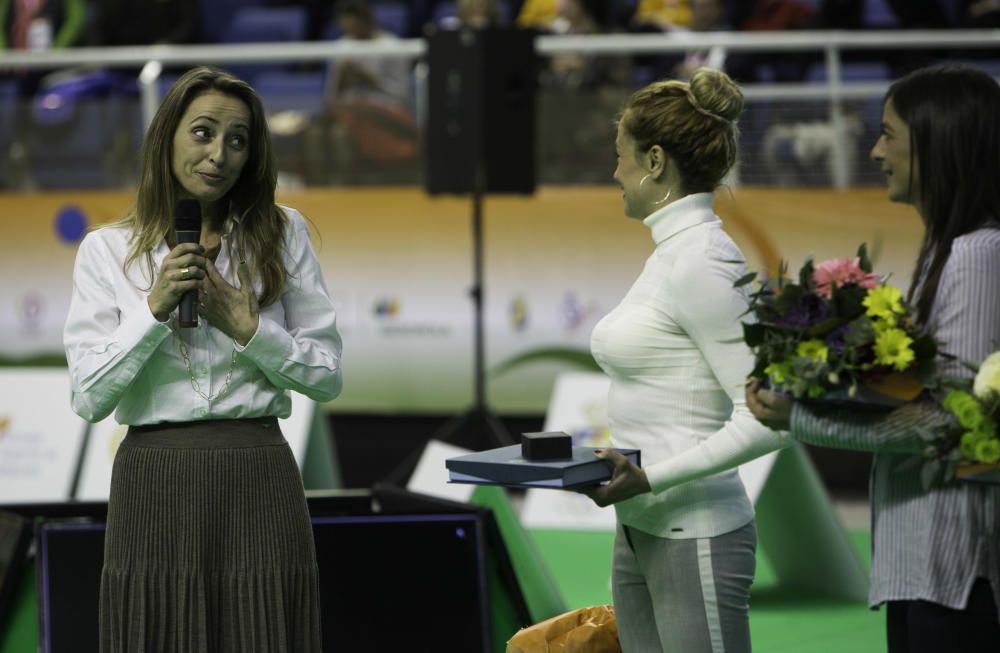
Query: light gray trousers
x=683 y=596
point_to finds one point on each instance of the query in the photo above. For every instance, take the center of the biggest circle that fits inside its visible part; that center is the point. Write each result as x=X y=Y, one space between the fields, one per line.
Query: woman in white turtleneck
x=684 y=548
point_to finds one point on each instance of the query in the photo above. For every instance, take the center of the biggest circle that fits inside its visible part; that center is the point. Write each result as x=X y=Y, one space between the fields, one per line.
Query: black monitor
x=15 y=538
x=388 y=582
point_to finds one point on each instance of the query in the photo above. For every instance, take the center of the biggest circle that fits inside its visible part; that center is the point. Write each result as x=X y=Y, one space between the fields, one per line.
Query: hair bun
x=715 y=94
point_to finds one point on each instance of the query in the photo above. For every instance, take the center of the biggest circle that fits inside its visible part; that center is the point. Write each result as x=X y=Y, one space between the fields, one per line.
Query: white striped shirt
x=928 y=545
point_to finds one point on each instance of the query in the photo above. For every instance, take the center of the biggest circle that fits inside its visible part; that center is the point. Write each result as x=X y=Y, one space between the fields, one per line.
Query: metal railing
x=832 y=44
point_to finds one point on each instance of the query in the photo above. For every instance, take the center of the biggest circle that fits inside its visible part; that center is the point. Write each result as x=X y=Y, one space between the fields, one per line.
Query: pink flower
x=840 y=272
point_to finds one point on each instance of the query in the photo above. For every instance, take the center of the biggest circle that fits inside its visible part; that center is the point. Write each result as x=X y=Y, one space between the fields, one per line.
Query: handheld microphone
x=187 y=229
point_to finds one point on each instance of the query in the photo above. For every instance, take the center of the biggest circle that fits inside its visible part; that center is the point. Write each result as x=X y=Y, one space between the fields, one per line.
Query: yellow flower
x=892 y=347
x=988 y=451
x=814 y=349
x=884 y=302
x=884 y=322
x=778 y=372
x=988 y=378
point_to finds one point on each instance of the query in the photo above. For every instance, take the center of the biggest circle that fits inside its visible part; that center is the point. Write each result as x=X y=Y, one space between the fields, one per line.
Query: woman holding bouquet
x=684 y=548
x=936 y=553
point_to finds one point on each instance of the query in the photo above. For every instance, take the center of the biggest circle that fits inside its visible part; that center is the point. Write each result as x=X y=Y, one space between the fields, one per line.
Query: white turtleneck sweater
x=674 y=351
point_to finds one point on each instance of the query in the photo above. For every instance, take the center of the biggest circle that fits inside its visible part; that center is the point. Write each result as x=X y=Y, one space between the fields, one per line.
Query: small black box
x=546 y=445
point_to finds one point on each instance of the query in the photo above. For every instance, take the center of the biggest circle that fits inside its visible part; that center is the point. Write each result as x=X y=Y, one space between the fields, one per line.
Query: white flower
x=988 y=379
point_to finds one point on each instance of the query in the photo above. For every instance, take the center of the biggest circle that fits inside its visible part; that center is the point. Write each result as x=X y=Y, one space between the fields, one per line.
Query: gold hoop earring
x=665 y=197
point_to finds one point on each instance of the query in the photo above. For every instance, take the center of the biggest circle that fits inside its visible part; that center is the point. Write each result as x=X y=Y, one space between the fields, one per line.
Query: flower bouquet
x=969 y=448
x=840 y=334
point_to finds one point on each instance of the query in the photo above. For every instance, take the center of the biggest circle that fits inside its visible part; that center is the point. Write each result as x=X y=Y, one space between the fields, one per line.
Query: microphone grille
x=187 y=215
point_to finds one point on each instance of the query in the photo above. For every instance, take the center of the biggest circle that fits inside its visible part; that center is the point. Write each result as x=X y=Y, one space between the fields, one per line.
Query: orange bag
x=587 y=630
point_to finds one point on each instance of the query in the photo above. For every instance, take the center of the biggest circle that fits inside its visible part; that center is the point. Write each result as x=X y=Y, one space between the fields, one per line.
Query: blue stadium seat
x=392 y=17
x=74 y=123
x=266 y=24
x=216 y=15
x=291 y=91
x=445 y=14
x=878 y=15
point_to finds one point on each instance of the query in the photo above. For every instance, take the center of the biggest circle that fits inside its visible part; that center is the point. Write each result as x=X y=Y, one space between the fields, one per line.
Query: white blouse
x=674 y=351
x=121 y=357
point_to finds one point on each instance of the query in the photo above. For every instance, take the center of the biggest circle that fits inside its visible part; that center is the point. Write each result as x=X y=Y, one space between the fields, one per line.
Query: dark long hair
x=954 y=117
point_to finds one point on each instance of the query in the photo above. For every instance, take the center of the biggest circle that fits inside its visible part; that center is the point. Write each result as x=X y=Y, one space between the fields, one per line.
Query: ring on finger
x=185 y=274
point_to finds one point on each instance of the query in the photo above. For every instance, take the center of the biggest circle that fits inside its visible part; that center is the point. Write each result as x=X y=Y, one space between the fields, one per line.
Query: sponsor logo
x=517 y=311
x=32 y=308
x=71 y=224
x=385 y=308
x=573 y=313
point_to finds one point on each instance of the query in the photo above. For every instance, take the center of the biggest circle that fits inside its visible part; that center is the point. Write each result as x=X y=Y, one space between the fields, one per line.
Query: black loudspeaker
x=481 y=112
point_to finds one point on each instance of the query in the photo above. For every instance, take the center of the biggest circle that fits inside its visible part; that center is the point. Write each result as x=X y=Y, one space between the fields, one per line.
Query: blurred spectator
x=41 y=24
x=36 y=26
x=383 y=80
x=478 y=14
x=706 y=16
x=774 y=16
x=369 y=101
x=538 y=14
x=148 y=22
x=979 y=14
x=780 y=15
x=663 y=15
x=576 y=70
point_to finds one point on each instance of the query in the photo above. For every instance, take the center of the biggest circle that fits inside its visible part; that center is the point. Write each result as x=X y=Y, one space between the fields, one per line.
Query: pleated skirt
x=209 y=547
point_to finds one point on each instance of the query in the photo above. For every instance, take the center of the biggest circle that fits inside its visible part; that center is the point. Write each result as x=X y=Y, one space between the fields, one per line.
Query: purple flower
x=806 y=312
x=835 y=339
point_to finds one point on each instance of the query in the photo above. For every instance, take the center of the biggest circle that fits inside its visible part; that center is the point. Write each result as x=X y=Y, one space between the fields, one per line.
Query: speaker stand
x=477 y=425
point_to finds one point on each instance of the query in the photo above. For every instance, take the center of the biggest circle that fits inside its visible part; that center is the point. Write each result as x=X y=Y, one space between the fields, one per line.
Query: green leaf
x=847 y=301
x=824 y=327
x=863 y=261
x=806 y=273
x=949 y=472
x=745 y=279
x=789 y=297
x=859 y=333
x=753 y=333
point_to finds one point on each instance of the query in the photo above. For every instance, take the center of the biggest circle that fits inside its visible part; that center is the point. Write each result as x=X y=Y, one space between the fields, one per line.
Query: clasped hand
x=232 y=310
x=627 y=480
x=772 y=410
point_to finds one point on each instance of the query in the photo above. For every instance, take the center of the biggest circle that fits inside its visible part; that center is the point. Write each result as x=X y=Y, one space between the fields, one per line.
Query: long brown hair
x=261 y=230
x=953 y=113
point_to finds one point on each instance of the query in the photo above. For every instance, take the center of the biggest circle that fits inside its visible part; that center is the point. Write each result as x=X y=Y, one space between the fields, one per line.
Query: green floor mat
x=781 y=620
